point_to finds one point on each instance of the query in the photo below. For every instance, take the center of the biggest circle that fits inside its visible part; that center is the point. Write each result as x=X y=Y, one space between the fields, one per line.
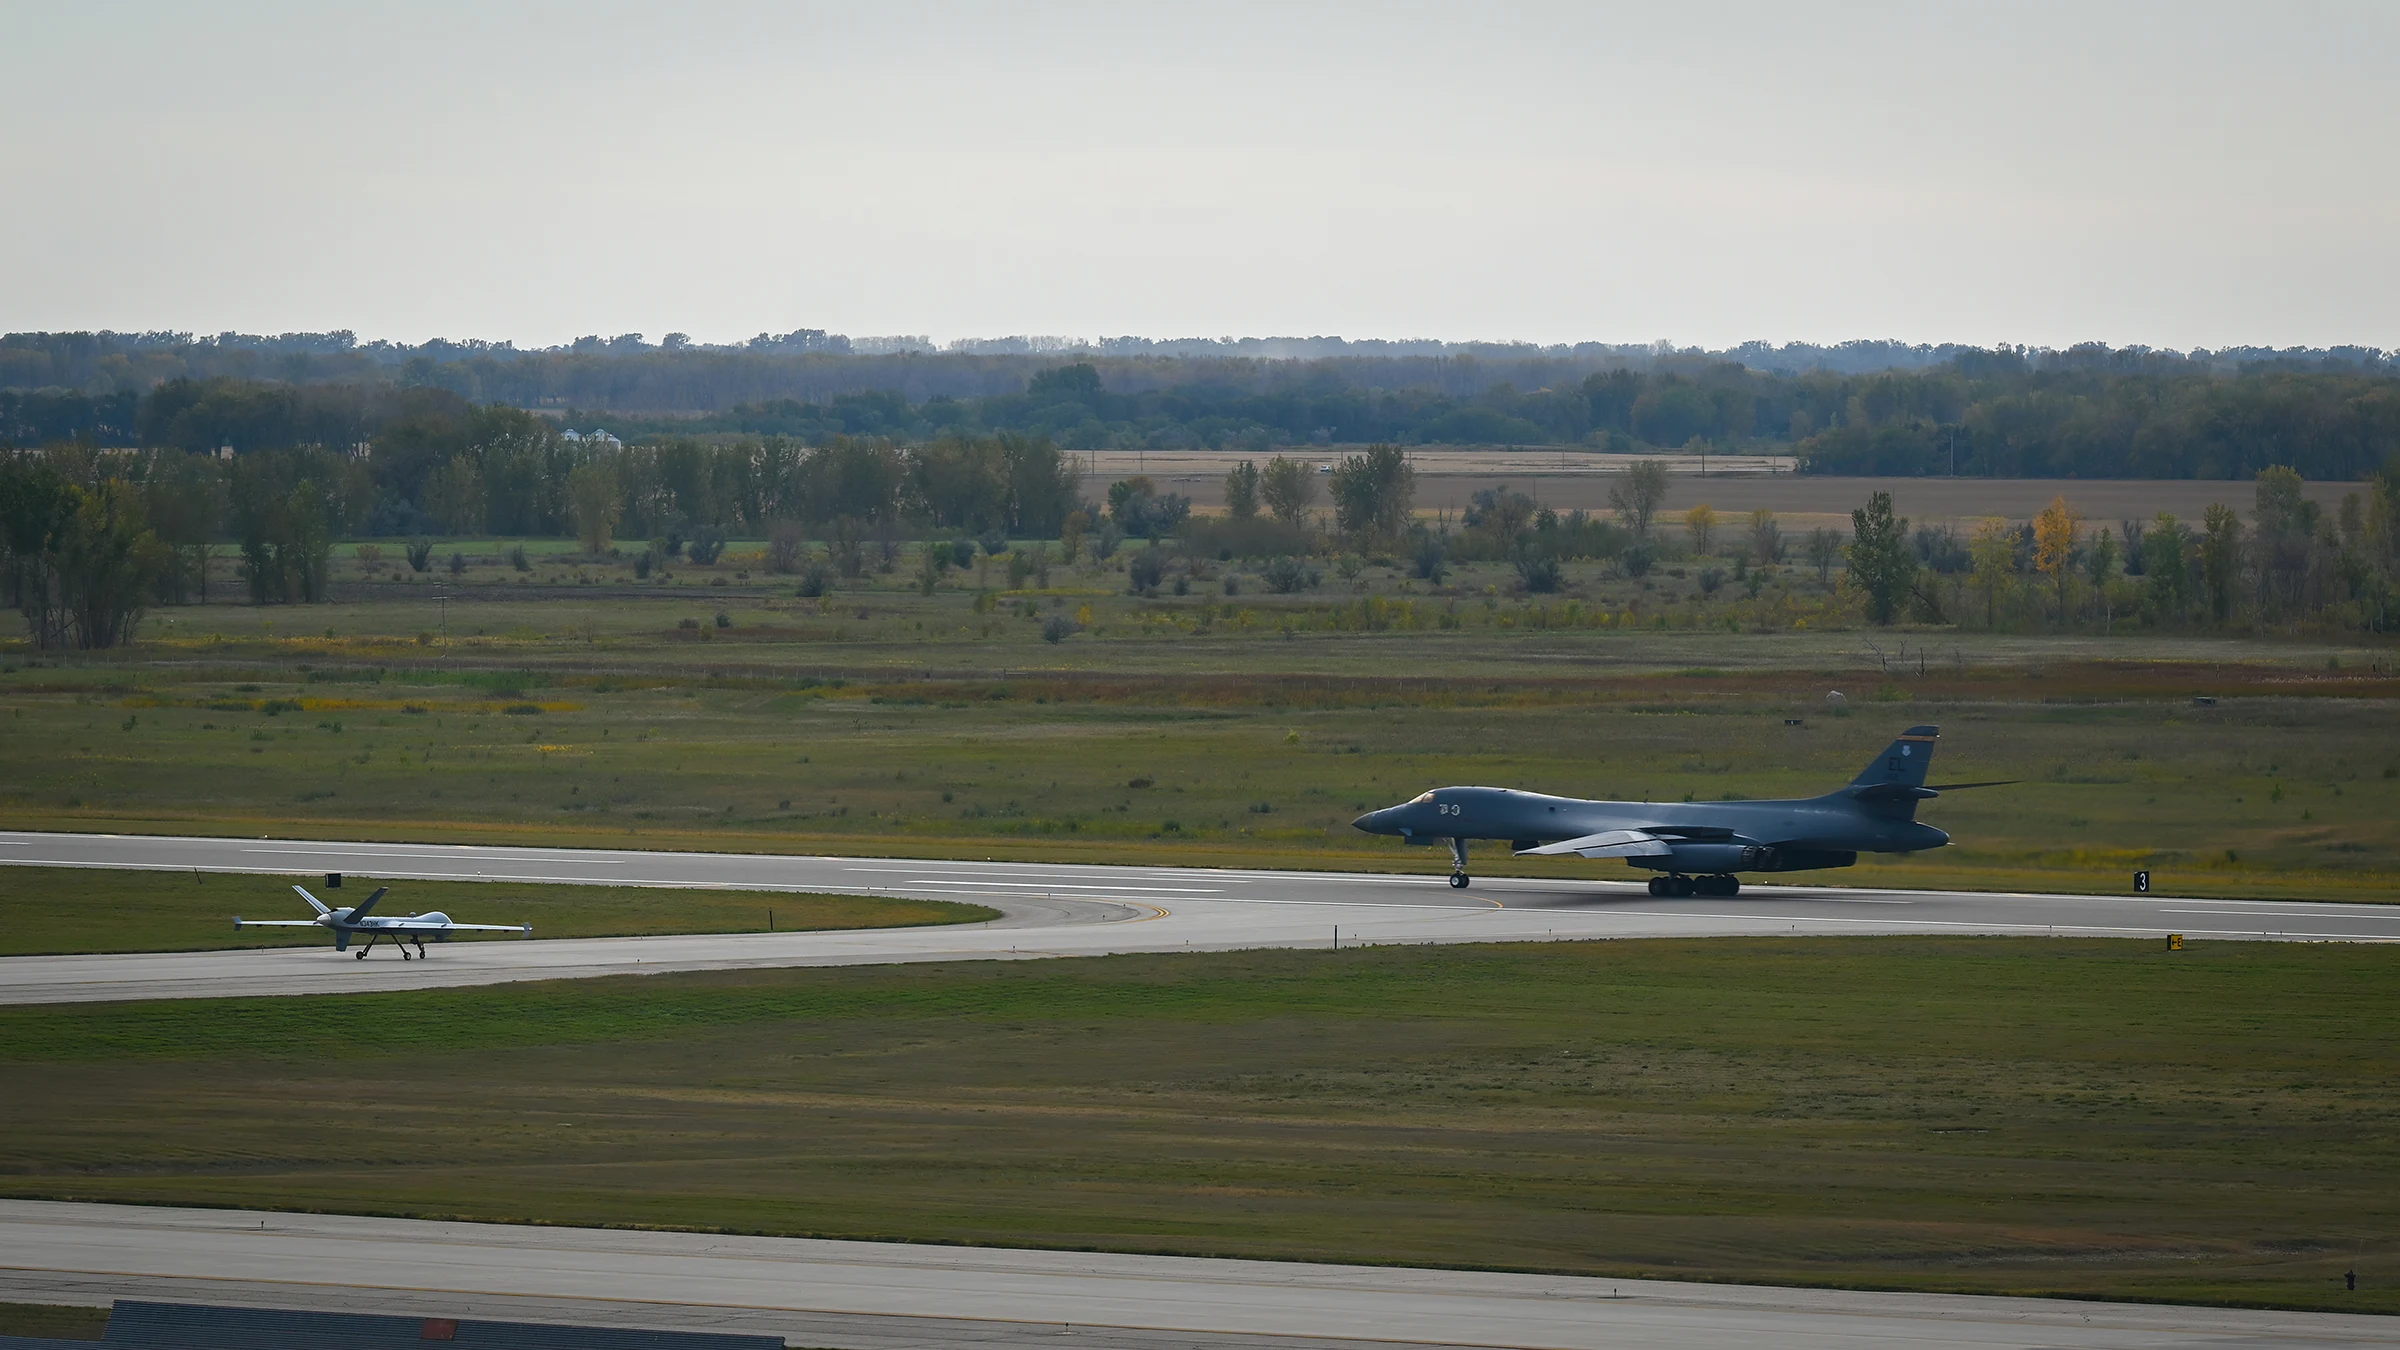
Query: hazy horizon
x=2169 y=175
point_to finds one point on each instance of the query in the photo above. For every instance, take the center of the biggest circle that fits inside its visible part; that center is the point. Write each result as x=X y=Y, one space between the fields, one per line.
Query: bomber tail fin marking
x=1903 y=763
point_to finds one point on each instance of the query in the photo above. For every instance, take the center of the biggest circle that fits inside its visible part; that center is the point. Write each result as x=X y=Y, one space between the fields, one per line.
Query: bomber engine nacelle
x=1715 y=859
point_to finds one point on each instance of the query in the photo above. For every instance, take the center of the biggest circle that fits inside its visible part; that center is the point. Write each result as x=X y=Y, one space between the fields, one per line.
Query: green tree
x=2283 y=542
x=1881 y=564
x=1241 y=491
x=184 y=500
x=1824 y=550
x=36 y=508
x=1374 y=494
x=597 y=503
x=2166 y=568
x=1289 y=489
x=454 y=496
x=108 y=562
x=2221 y=558
x=1638 y=493
x=1992 y=557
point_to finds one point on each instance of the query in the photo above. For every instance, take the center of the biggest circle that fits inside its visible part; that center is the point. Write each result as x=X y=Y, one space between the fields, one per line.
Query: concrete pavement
x=875 y=1296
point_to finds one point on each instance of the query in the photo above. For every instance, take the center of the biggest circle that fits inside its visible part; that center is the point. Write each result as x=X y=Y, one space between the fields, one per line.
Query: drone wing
x=313 y=902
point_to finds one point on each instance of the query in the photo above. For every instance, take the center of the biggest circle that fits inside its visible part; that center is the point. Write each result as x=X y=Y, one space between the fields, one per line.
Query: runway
x=884 y=1296
x=1049 y=910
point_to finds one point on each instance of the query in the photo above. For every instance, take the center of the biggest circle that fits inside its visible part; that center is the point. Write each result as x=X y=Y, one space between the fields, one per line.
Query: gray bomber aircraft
x=1698 y=846
x=350 y=921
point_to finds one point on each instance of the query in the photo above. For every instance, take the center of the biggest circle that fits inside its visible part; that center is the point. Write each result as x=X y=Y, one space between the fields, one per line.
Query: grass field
x=2067 y=1117
x=568 y=703
x=53 y=1321
x=46 y=910
x=2289 y=786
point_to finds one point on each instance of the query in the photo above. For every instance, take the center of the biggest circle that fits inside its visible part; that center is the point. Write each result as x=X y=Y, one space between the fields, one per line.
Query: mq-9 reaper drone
x=349 y=922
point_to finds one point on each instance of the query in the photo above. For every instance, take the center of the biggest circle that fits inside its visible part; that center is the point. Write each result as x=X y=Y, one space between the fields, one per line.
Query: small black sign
x=333 y=881
x=2141 y=883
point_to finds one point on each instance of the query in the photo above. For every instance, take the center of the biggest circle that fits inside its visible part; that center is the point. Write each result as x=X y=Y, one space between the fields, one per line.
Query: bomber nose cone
x=1372 y=822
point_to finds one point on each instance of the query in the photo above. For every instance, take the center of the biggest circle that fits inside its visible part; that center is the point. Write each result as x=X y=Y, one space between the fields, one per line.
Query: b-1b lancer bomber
x=1698 y=847
x=403 y=929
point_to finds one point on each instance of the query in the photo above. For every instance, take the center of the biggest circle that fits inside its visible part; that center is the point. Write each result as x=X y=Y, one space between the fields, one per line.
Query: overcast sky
x=2174 y=174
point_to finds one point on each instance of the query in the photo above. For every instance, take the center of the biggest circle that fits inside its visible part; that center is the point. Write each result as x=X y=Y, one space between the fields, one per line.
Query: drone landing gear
x=1458 y=864
x=1678 y=886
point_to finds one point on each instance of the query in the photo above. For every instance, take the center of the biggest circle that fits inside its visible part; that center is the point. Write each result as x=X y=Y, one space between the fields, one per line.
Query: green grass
x=2068 y=1117
x=47 y=910
x=57 y=1322
x=2285 y=788
x=571 y=705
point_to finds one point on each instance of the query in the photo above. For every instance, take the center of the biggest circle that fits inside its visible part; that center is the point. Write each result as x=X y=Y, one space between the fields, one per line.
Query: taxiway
x=1048 y=910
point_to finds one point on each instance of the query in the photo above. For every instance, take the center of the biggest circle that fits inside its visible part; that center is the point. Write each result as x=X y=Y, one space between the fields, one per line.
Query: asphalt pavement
x=885 y=1296
x=1049 y=910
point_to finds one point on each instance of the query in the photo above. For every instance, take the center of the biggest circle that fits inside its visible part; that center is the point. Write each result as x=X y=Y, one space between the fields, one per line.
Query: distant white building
x=595 y=438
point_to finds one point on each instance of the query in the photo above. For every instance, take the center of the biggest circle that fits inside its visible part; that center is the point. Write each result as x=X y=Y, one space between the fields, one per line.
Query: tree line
x=91 y=538
x=2087 y=413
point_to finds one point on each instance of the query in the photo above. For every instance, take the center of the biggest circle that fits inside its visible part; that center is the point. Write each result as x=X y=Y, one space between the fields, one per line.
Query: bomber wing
x=1606 y=844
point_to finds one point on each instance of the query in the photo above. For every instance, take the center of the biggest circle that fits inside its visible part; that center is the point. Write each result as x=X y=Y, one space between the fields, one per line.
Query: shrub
x=724 y=620
x=687 y=623
x=420 y=554
x=517 y=558
x=1638 y=560
x=369 y=554
x=641 y=564
x=816 y=581
x=458 y=564
x=706 y=546
x=1540 y=575
x=1145 y=571
x=1233 y=584
x=1288 y=574
x=1711 y=578
x=1058 y=628
x=1256 y=537
x=1431 y=561
x=522 y=710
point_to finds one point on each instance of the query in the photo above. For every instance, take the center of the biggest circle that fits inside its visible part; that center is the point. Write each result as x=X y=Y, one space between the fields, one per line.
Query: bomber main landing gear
x=1458 y=864
x=1677 y=886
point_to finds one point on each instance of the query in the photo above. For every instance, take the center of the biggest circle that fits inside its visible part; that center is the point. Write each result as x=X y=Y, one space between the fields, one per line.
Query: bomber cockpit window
x=1422 y=797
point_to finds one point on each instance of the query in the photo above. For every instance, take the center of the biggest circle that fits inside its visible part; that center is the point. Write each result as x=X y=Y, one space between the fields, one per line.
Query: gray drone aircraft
x=1698 y=846
x=349 y=922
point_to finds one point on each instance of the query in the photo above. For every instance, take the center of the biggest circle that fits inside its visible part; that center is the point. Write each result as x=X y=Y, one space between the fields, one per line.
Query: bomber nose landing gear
x=1458 y=864
x=1678 y=886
